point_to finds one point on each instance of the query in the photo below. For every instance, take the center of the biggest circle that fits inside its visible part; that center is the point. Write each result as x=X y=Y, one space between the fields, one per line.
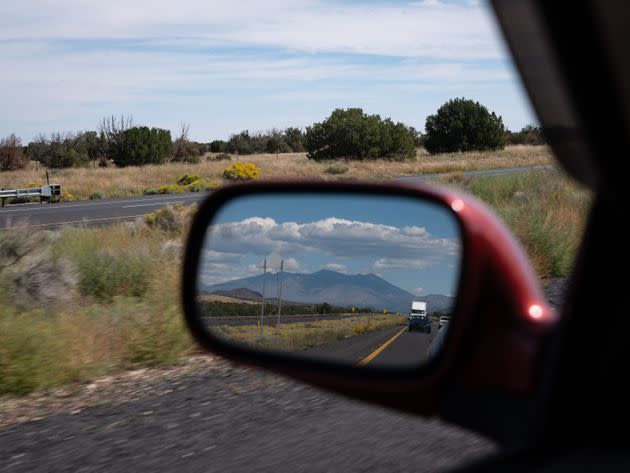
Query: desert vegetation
x=222 y=308
x=12 y=155
x=81 y=302
x=76 y=303
x=463 y=125
x=81 y=183
x=355 y=135
x=545 y=210
x=300 y=335
x=349 y=134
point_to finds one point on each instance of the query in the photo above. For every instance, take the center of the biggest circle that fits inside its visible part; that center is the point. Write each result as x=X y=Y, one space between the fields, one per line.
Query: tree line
x=458 y=125
x=235 y=309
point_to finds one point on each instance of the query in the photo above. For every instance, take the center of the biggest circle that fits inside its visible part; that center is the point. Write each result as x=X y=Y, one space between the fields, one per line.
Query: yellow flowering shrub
x=241 y=172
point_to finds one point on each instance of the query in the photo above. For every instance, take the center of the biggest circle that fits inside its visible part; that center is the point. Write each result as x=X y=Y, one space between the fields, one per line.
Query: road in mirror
x=361 y=279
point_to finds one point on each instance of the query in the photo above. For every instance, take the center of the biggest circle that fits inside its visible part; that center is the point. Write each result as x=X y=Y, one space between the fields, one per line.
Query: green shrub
x=66 y=150
x=294 y=138
x=200 y=185
x=352 y=134
x=170 y=189
x=220 y=157
x=12 y=155
x=337 y=168
x=241 y=143
x=96 y=195
x=218 y=146
x=529 y=135
x=151 y=191
x=192 y=159
x=188 y=179
x=140 y=145
x=105 y=273
x=241 y=172
x=169 y=219
x=463 y=125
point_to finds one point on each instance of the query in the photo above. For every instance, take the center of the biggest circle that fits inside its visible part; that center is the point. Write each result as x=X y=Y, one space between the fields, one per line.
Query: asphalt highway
x=89 y=212
x=476 y=172
x=392 y=347
x=236 y=420
x=95 y=212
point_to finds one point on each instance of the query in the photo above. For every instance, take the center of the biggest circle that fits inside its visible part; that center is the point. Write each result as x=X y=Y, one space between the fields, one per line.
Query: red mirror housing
x=496 y=344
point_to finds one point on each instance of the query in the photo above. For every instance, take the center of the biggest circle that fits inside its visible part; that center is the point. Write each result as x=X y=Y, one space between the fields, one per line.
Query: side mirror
x=391 y=294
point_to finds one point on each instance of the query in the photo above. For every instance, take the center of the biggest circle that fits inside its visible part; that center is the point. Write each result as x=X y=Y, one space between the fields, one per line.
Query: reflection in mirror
x=355 y=278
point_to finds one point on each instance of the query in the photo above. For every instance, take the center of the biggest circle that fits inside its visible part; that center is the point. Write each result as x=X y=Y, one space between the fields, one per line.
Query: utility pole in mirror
x=279 y=284
x=262 y=307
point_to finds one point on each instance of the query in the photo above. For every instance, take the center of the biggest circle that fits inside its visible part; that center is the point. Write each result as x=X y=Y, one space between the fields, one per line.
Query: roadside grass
x=545 y=209
x=81 y=183
x=78 y=303
x=123 y=313
x=300 y=335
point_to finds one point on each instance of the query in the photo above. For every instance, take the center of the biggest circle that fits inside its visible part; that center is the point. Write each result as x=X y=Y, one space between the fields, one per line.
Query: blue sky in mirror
x=412 y=244
x=226 y=66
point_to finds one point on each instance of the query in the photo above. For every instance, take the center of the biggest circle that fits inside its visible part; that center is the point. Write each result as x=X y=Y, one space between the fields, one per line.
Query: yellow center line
x=375 y=353
x=103 y=219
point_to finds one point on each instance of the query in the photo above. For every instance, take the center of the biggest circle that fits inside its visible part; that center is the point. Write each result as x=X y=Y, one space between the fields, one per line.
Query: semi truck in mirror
x=418 y=308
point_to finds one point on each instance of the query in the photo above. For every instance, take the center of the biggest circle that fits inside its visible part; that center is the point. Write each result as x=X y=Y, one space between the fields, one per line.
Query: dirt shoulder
x=107 y=390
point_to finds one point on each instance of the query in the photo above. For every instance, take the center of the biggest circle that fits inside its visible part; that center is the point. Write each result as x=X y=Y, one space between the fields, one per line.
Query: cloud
x=391 y=247
x=220 y=266
x=418 y=291
x=291 y=264
x=427 y=29
x=385 y=264
x=220 y=256
x=340 y=268
x=255 y=65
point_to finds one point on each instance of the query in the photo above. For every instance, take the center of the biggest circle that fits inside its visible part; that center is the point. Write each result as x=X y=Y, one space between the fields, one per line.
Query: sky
x=412 y=244
x=225 y=66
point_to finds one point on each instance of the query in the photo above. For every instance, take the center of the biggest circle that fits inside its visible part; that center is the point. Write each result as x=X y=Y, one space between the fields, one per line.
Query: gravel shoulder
x=224 y=418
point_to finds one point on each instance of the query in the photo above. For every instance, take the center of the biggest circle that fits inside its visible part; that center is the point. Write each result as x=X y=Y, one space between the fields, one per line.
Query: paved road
x=111 y=210
x=89 y=212
x=394 y=346
x=236 y=420
x=478 y=172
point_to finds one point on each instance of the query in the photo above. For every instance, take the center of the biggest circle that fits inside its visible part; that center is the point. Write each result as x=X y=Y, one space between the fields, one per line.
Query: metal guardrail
x=45 y=193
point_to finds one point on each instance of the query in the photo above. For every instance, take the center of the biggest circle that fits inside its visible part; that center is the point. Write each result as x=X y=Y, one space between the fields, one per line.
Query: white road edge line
x=104 y=202
x=155 y=203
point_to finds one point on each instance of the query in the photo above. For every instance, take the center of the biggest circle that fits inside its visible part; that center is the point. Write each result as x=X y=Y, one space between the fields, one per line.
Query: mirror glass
x=362 y=279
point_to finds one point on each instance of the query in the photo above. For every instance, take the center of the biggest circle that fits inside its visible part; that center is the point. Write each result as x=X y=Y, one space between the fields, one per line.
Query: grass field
x=545 y=210
x=81 y=183
x=299 y=335
x=82 y=302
